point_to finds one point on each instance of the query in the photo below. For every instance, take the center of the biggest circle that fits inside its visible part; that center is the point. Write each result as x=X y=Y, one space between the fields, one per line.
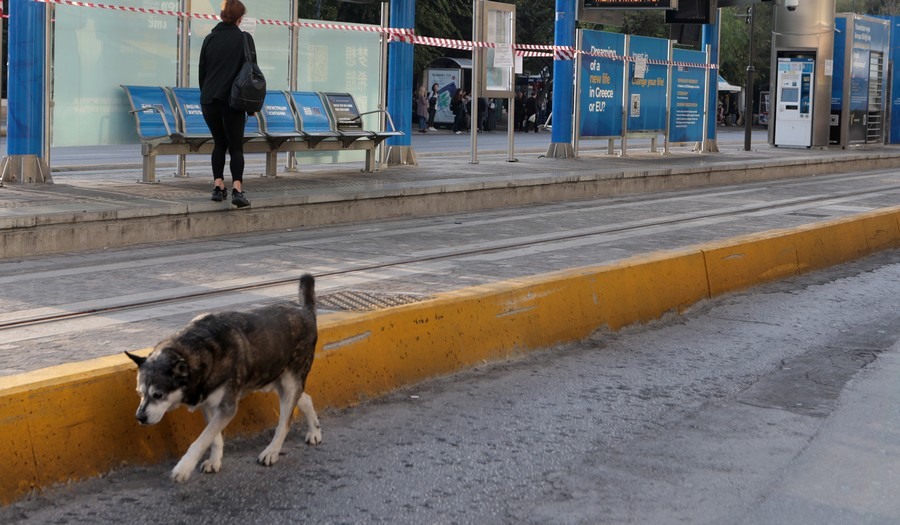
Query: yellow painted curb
x=77 y=420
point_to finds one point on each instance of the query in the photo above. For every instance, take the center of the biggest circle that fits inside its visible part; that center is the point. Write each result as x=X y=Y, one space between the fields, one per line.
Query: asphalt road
x=777 y=405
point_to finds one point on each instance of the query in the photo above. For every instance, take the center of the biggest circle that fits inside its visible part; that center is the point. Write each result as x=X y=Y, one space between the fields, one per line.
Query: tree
x=734 y=45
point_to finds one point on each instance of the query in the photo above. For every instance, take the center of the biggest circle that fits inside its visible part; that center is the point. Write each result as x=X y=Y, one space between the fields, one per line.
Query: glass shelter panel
x=95 y=50
x=273 y=42
x=344 y=61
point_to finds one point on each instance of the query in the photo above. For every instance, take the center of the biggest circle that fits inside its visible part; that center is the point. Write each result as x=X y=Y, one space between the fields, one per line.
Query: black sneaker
x=238 y=199
x=219 y=194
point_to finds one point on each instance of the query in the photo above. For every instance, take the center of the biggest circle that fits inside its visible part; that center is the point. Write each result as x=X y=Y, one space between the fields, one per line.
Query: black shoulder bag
x=249 y=89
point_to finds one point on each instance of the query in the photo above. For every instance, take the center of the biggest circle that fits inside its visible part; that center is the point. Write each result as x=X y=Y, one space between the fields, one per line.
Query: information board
x=687 y=96
x=647 y=84
x=601 y=84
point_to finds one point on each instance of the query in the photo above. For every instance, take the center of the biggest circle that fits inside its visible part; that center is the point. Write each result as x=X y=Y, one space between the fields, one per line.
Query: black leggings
x=227 y=128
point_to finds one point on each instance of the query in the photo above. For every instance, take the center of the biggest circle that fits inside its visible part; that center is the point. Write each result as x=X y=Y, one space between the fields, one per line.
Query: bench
x=169 y=121
x=332 y=121
x=348 y=119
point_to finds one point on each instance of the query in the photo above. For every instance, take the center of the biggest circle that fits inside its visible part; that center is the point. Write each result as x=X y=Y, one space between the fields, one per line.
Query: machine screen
x=790 y=94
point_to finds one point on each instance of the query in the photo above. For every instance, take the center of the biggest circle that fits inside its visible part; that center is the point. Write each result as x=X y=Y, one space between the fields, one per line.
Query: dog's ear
x=180 y=370
x=138 y=360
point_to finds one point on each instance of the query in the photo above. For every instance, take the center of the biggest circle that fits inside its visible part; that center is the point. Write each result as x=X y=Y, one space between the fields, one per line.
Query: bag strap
x=246 y=46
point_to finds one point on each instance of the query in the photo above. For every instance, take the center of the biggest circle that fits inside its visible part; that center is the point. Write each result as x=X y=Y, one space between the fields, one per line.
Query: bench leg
x=181 y=170
x=148 y=175
x=370 y=161
x=271 y=164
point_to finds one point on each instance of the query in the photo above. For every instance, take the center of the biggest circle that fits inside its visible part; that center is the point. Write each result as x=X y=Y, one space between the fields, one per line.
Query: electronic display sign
x=630 y=4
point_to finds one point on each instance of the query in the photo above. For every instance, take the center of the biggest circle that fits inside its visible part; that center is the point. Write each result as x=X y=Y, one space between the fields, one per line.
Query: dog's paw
x=314 y=437
x=268 y=457
x=210 y=466
x=181 y=472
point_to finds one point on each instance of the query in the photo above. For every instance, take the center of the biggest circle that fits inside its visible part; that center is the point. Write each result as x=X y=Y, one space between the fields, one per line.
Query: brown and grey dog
x=219 y=358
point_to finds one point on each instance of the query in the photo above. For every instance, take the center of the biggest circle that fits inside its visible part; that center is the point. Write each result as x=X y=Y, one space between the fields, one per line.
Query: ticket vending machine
x=794 y=101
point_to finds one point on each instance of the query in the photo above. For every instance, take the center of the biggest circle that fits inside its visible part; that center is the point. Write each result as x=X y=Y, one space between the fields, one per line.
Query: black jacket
x=221 y=57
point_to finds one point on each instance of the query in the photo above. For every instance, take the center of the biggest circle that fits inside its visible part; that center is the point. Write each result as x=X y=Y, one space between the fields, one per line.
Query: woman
x=458 y=107
x=432 y=106
x=221 y=57
x=422 y=109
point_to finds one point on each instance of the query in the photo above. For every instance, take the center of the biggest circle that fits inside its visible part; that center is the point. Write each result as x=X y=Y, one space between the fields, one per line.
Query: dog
x=218 y=359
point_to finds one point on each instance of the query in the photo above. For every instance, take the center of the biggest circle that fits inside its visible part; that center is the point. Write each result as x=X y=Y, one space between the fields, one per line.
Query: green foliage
x=647 y=22
x=441 y=19
x=868 y=7
x=734 y=45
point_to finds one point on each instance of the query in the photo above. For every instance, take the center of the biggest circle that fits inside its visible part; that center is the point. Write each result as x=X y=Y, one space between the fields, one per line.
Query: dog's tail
x=308 y=291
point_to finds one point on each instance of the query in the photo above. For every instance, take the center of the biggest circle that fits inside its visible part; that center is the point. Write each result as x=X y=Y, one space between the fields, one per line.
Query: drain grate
x=366 y=301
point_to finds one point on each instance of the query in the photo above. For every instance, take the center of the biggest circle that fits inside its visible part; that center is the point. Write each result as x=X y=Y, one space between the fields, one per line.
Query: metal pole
x=382 y=80
x=292 y=73
x=706 y=97
x=183 y=76
x=476 y=78
x=4 y=160
x=48 y=84
x=626 y=99
x=748 y=96
x=669 y=98
x=576 y=120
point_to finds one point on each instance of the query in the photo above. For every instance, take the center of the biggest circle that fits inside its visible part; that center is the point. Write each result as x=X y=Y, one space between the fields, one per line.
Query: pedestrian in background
x=422 y=109
x=458 y=107
x=519 y=113
x=482 y=113
x=432 y=106
x=221 y=58
x=531 y=112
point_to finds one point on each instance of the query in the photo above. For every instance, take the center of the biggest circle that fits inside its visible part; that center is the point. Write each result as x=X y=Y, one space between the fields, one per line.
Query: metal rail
x=48 y=319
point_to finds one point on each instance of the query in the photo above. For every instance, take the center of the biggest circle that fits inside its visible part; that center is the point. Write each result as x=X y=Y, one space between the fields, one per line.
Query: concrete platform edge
x=127 y=225
x=76 y=420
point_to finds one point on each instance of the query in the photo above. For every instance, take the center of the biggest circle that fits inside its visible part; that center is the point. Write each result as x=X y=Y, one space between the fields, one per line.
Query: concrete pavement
x=369 y=354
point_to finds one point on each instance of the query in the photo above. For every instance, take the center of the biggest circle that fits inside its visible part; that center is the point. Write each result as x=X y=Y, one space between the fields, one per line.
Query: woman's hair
x=232 y=11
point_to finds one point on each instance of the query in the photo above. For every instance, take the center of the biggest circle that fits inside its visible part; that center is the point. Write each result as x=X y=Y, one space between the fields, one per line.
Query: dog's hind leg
x=288 y=389
x=214 y=463
x=313 y=429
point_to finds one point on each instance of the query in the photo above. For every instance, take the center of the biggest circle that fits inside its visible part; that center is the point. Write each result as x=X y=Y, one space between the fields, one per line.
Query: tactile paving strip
x=351 y=300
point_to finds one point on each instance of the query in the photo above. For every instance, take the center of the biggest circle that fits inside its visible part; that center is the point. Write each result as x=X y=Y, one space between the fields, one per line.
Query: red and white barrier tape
x=395 y=33
x=402 y=34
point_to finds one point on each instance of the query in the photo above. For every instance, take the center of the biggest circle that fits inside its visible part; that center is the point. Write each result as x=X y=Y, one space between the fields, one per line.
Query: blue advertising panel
x=868 y=36
x=837 y=79
x=894 y=135
x=601 y=85
x=647 y=84
x=837 y=76
x=686 y=112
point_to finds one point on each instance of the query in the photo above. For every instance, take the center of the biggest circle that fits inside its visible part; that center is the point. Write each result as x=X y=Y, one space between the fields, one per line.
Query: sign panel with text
x=687 y=96
x=647 y=84
x=601 y=84
x=498 y=67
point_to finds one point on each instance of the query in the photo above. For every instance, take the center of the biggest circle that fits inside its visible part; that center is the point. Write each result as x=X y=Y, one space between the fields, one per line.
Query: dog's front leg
x=213 y=430
x=214 y=463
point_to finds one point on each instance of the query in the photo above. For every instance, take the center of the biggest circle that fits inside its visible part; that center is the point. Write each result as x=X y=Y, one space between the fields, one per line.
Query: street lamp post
x=748 y=96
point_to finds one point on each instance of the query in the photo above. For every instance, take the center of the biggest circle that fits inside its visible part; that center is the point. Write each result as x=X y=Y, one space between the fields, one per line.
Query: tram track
x=12 y=323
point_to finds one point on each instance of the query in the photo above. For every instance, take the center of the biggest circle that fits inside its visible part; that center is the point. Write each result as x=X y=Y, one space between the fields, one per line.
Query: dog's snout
x=141 y=417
